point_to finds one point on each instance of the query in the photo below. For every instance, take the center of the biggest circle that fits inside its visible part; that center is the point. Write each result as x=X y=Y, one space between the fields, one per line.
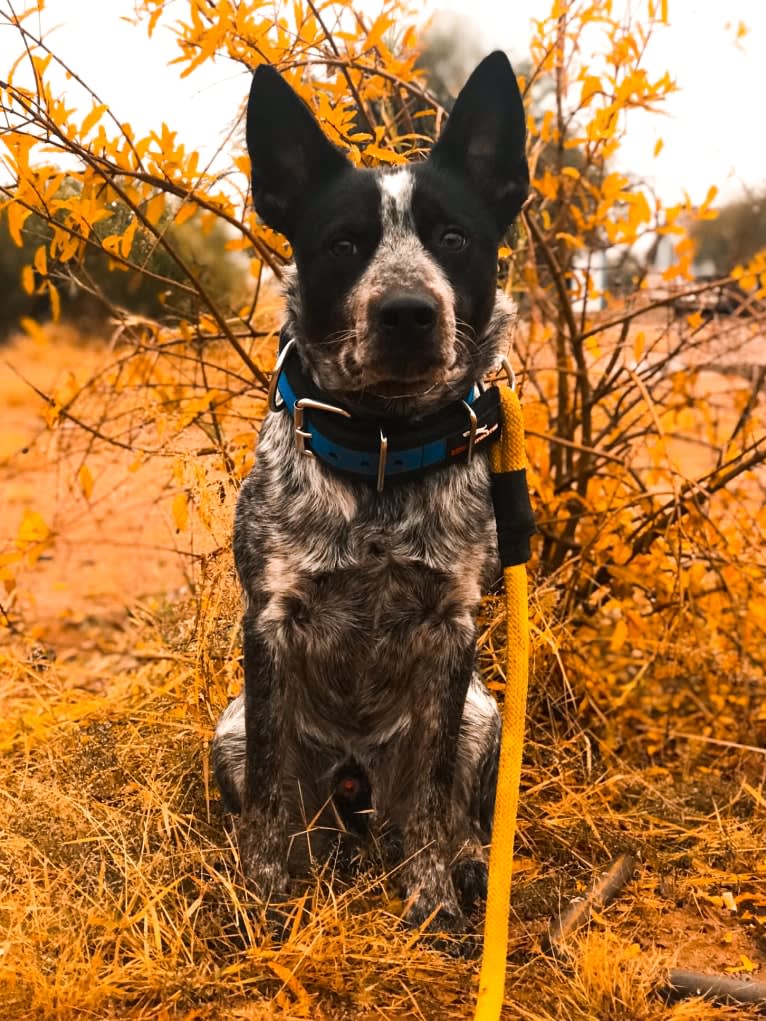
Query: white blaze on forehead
x=396 y=200
x=401 y=263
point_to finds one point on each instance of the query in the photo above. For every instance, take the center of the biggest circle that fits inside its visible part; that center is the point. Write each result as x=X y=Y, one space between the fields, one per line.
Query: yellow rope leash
x=506 y=455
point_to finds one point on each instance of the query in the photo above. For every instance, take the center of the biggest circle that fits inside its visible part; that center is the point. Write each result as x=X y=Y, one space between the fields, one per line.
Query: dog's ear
x=485 y=137
x=289 y=153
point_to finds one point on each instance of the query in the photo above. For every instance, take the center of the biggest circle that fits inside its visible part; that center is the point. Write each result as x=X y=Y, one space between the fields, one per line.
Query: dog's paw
x=444 y=927
x=434 y=914
x=255 y=923
x=263 y=863
x=266 y=885
x=258 y=924
x=470 y=876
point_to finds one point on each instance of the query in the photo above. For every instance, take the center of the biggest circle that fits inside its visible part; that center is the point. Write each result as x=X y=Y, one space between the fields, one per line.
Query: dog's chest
x=361 y=595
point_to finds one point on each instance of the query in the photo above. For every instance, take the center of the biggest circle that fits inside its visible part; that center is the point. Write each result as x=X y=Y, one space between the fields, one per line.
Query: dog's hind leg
x=229 y=754
x=478 y=752
x=473 y=790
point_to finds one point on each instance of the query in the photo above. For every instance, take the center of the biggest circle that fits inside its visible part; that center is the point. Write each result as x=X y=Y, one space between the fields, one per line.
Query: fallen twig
x=713 y=987
x=681 y=983
x=578 y=913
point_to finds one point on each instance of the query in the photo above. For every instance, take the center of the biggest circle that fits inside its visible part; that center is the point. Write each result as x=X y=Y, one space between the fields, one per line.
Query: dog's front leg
x=263 y=842
x=428 y=838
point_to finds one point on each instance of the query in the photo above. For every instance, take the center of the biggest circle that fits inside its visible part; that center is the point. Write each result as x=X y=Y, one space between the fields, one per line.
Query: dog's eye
x=453 y=239
x=343 y=247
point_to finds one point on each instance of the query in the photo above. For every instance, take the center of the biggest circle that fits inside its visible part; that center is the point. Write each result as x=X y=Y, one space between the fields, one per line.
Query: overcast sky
x=713 y=132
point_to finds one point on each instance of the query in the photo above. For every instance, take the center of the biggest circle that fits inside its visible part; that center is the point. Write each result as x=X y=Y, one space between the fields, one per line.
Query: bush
x=144 y=281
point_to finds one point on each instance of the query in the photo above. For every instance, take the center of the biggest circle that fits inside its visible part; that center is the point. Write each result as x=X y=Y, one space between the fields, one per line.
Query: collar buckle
x=301 y=434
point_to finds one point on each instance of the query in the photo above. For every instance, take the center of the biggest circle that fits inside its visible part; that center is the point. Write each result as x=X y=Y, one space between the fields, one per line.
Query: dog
x=363 y=717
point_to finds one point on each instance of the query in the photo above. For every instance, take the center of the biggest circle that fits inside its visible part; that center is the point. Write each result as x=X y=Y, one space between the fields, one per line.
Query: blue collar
x=379 y=450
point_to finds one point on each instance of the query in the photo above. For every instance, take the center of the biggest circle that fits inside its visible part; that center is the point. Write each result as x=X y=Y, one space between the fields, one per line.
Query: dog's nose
x=407 y=316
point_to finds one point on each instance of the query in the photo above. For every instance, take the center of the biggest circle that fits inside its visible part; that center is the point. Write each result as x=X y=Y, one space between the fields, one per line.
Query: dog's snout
x=407 y=316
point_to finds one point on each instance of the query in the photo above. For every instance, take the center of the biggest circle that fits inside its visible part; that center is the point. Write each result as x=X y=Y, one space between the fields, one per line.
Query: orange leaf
x=384 y=155
x=17 y=214
x=126 y=241
x=32 y=529
x=695 y=320
x=185 y=212
x=619 y=635
x=180 y=510
x=41 y=260
x=93 y=117
x=85 y=479
x=28 y=279
x=33 y=329
x=33 y=536
x=590 y=86
x=55 y=301
x=155 y=207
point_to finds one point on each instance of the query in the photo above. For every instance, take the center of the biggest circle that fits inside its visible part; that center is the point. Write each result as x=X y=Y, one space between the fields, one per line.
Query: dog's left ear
x=485 y=136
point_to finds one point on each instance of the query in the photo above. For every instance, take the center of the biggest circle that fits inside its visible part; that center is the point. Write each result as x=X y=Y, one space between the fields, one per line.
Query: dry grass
x=118 y=889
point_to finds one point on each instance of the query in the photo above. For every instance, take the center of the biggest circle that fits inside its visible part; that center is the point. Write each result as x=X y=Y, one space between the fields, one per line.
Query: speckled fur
x=361 y=608
x=359 y=626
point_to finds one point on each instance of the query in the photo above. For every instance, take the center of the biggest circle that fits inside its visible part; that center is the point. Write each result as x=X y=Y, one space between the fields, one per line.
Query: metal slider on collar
x=382 y=459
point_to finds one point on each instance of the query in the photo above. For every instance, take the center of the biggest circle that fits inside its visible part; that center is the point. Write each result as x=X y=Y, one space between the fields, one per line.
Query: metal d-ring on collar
x=301 y=434
x=275 y=374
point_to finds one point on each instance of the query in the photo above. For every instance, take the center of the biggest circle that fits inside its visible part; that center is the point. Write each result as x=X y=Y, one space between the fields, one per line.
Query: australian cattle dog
x=364 y=535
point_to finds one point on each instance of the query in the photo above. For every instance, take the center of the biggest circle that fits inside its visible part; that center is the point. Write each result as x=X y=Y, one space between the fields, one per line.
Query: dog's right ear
x=289 y=153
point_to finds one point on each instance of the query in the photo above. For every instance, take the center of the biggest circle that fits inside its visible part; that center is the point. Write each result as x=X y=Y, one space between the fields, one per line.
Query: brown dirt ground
x=109 y=551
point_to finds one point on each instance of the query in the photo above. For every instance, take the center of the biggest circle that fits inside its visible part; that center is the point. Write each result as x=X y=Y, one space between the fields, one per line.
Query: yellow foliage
x=33 y=536
x=180 y=509
x=85 y=478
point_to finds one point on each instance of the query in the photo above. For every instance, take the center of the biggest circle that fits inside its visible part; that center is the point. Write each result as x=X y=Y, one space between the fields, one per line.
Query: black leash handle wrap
x=513 y=516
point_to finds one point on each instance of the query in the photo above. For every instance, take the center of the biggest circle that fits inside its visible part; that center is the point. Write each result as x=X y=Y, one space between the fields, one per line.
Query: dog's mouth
x=393 y=388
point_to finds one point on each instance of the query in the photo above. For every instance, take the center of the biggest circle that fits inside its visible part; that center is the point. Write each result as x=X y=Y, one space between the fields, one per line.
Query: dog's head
x=395 y=294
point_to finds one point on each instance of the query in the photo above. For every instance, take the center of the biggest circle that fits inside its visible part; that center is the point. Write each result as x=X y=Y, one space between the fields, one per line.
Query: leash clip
x=507 y=368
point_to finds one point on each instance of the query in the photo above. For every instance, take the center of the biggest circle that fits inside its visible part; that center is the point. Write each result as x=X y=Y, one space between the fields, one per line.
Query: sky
x=713 y=127
x=712 y=130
